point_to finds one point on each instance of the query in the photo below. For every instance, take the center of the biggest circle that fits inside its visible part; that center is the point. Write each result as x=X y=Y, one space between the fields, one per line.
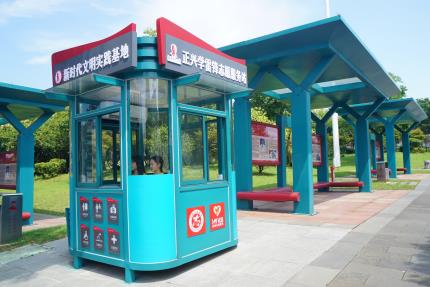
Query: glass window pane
x=101 y=98
x=201 y=98
x=192 y=147
x=111 y=142
x=215 y=146
x=149 y=118
x=87 y=151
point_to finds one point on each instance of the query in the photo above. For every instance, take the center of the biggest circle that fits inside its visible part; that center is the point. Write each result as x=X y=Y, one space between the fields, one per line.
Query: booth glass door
x=203 y=194
x=202 y=148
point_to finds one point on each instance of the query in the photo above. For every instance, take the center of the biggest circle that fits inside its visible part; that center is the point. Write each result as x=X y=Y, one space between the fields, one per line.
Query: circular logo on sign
x=196 y=220
x=173 y=50
x=58 y=77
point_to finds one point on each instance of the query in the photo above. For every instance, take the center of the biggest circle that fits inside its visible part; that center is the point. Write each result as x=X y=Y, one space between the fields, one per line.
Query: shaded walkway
x=342 y=208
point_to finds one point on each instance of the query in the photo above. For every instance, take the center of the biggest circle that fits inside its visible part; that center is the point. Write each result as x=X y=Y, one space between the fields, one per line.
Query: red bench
x=273 y=194
x=26 y=215
x=321 y=185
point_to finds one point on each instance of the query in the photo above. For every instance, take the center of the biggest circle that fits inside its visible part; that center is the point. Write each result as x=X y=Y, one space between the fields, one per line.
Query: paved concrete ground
x=44 y=221
x=390 y=248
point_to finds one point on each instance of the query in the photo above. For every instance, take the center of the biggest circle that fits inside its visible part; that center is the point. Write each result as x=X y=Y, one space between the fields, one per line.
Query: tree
x=425 y=125
x=150 y=32
x=402 y=87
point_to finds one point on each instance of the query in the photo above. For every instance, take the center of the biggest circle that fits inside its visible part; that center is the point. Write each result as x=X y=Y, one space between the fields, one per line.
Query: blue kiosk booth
x=152 y=183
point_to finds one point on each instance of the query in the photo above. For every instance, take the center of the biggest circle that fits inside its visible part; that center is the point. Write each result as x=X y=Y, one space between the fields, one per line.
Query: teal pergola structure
x=18 y=103
x=314 y=66
x=401 y=114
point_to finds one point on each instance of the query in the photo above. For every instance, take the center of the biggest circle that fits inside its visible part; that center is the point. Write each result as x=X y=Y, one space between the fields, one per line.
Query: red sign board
x=316 y=150
x=217 y=216
x=115 y=53
x=196 y=222
x=265 y=144
x=182 y=52
x=8 y=169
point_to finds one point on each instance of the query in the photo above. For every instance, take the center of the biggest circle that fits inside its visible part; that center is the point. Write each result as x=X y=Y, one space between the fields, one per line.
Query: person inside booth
x=137 y=166
x=156 y=164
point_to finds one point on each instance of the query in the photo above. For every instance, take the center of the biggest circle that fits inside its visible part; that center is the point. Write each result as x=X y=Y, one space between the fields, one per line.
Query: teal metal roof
x=353 y=76
x=410 y=112
x=27 y=103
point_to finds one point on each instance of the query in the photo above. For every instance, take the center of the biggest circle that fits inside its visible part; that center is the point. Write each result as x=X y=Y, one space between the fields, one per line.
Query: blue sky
x=396 y=32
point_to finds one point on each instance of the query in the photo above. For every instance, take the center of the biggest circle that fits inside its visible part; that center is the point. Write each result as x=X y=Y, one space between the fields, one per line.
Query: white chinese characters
x=97 y=62
x=206 y=64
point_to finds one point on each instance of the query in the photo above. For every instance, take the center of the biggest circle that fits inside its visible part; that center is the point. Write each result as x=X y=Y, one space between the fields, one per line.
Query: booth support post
x=391 y=148
x=25 y=157
x=362 y=150
x=281 y=122
x=243 y=149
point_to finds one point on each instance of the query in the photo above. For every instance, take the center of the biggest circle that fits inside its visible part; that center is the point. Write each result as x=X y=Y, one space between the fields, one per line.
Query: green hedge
x=51 y=168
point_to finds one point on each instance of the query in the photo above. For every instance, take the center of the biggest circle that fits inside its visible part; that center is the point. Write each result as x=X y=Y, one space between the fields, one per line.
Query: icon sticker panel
x=84 y=208
x=97 y=209
x=113 y=211
x=114 y=242
x=99 y=243
x=85 y=236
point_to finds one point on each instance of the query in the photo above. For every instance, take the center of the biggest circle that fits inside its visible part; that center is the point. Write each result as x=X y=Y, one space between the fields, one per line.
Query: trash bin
x=10 y=217
x=382 y=171
x=427 y=164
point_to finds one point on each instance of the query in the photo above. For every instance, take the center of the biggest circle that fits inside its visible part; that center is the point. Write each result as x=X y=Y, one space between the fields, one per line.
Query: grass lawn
x=268 y=178
x=38 y=236
x=52 y=195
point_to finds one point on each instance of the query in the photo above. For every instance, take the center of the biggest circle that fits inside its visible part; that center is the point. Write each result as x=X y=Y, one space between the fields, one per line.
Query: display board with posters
x=378 y=151
x=8 y=170
x=265 y=144
x=316 y=150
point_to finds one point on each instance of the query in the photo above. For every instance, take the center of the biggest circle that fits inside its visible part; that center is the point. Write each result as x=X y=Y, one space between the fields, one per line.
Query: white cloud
x=29 y=8
x=224 y=22
x=39 y=60
x=44 y=44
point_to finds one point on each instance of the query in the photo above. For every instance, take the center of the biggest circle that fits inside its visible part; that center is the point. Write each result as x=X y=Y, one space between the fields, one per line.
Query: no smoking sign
x=196 y=222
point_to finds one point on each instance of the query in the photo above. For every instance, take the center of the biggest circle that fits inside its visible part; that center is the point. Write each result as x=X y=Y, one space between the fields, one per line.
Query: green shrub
x=51 y=168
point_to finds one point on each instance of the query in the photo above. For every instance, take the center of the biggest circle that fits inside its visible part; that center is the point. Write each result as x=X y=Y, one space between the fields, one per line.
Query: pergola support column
x=362 y=140
x=321 y=130
x=406 y=148
x=302 y=132
x=25 y=157
x=391 y=148
x=243 y=148
x=363 y=154
x=380 y=139
x=282 y=167
x=373 y=149
x=302 y=151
